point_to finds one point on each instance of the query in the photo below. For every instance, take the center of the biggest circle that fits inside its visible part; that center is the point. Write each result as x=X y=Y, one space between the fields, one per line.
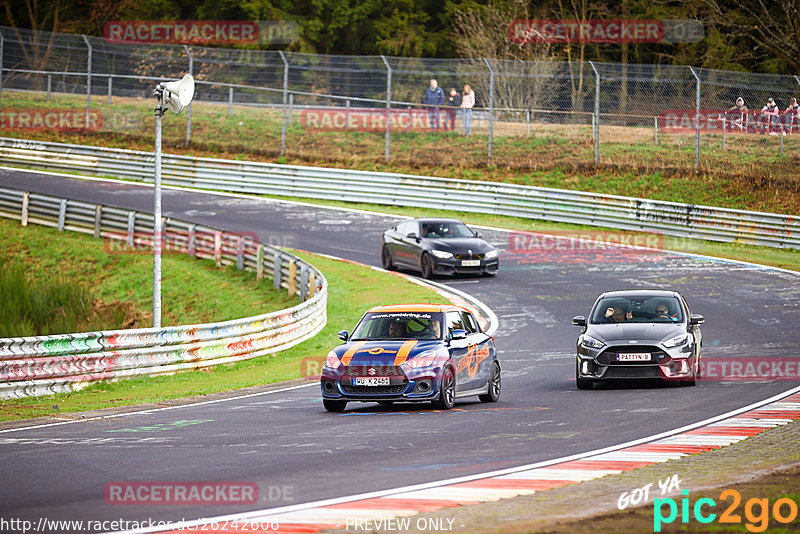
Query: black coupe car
x=438 y=246
x=638 y=334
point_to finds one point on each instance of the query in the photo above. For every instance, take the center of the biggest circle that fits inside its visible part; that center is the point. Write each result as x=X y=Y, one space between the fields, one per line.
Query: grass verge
x=352 y=290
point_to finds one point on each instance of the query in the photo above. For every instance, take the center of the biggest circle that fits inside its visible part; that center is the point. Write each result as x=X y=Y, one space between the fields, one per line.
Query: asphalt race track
x=296 y=452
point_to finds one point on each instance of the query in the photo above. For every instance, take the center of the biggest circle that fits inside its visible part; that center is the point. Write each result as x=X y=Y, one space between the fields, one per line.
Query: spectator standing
x=467 y=103
x=453 y=102
x=791 y=116
x=769 y=116
x=434 y=97
x=738 y=119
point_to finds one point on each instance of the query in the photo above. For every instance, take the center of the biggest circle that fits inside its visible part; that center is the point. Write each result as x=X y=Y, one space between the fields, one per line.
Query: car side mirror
x=458 y=334
x=696 y=318
x=343 y=335
x=477 y=234
x=579 y=320
x=413 y=236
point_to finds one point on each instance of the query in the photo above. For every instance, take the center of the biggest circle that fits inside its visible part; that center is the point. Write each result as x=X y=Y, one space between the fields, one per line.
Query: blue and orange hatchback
x=412 y=353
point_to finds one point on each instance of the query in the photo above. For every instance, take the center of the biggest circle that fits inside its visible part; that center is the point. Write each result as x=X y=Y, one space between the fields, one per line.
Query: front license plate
x=470 y=263
x=371 y=381
x=641 y=357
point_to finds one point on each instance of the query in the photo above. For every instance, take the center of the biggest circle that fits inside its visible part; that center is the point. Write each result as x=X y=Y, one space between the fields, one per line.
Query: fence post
x=291 y=108
x=388 y=104
x=528 y=122
x=292 y=276
x=260 y=262
x=88 y=80
x=696 y=120
x=724 y=132
x=491 y=110
x=49 y=82
x=109 y=89
x=230 y=101
x=655 y=130
x=347 y=115
x=285 y=99
x=596 y=114
x=2 y=42
x=189 y=107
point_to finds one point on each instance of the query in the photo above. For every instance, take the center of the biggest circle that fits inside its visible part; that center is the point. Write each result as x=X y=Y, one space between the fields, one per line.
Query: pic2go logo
x=756 y=511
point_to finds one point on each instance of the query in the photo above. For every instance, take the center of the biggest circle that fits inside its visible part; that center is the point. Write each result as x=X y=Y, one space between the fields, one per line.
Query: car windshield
x=638 y=310
x=399 y=325
x=444 y=230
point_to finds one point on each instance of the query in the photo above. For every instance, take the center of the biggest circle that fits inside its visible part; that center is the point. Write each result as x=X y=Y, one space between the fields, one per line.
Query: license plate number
x=470 y=263
x=641 y=357
x=371 y=381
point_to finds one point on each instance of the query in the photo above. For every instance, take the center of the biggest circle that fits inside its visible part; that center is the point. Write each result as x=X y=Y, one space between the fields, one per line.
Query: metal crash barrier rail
x=558 y=205
x=43 y=365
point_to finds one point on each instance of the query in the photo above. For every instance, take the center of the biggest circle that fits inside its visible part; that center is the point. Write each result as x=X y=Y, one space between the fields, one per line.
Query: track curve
x=286 y=441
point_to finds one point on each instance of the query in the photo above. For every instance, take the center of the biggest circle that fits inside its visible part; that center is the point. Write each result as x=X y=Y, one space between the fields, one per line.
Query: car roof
x=640 y=293
x=423 y=308
x=437 y=220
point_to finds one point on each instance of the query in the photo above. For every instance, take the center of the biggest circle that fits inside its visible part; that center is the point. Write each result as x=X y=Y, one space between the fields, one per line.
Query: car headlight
x=441 y=254
x=589 y=341
x=677 y=340
x=420 y=361
x=332 y=361
x=491 y=254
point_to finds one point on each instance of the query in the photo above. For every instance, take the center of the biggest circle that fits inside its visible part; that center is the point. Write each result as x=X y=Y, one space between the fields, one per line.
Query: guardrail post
x=109 y=90
x=230 y=101
x=259 y=262
x=131 y=227
x=655 y=130
x=192 y=238
x=596 y=114
x=24 y=216
x=285 y=100
x=277 y=271
x=62 y=214
x=189 y=107
x=388 y=105
x=292 y=276
x=491 y=111
x=312 y=284
x=218 y=248
x=696 y=120
x=98 y=214
x=303 y=283
x=88 y=80
x=240 y=254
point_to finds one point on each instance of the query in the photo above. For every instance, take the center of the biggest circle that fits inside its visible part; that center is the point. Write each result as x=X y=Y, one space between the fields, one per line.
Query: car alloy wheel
x=447 y=391
x=494 y=385
x=425 y=266
x=386 y=259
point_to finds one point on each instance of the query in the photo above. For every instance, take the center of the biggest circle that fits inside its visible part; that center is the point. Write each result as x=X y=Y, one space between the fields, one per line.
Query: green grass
x=352 y=290
x=121 y=287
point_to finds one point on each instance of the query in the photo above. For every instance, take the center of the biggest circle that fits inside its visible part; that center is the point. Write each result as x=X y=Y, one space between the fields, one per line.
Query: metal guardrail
x=44 y=365
x=558 y=205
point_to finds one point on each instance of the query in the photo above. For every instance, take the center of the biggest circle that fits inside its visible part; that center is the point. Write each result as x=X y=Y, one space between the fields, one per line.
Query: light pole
x=176 y=95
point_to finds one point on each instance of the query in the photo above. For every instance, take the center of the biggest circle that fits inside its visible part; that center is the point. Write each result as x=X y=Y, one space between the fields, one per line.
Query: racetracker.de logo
x=180 y=493
x=57 y=120
x=181 y=31
x=374 y=119
x=198 y=243
x=584 y=243
x=560 y=31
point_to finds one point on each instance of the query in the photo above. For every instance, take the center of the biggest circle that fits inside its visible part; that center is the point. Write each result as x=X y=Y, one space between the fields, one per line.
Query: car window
x=399 y=325
x=445 y=230
x=638 y=309
x=469 y=322
x=454 y=322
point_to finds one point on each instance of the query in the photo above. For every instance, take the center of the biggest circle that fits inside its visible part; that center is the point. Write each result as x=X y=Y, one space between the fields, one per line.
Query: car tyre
x=425 y=266
x=493 y=395
x=386 y=259
x=334 y=405
x=582 y=383
x=447 y=391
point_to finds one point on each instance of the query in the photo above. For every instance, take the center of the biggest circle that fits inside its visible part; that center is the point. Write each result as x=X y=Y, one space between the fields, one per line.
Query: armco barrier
x=669 y=218
x=43 y=365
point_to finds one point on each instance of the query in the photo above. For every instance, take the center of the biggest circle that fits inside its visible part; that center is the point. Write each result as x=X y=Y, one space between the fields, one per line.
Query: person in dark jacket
x=434 y=97
x=453 y=102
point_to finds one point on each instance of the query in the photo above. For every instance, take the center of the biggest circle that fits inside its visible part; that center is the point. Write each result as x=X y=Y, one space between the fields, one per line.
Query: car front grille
x=374 y=389
x=609 y=356
x=469 y=256
x=374 y=370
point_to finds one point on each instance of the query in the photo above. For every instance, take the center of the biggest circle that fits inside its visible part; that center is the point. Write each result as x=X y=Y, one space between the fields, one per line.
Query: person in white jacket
x=467 y=103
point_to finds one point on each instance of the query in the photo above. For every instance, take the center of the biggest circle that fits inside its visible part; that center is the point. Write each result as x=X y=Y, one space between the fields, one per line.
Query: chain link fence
x=532 y=115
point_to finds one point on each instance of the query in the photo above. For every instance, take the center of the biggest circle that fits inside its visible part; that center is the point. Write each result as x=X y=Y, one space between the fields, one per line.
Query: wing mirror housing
x=413 y=236
x=696 y=318
x=343 y=335
x=458 y=334
x=579 y=320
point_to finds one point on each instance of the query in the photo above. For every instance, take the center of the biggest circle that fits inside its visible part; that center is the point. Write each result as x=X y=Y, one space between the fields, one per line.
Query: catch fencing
x=669 y=218
x=44 y=365
x=528 y=114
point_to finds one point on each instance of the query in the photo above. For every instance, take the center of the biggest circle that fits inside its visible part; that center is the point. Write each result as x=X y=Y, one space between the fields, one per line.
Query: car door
x=479 y=352
x=393 y=242
x=458 y=349
x=402 y=251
